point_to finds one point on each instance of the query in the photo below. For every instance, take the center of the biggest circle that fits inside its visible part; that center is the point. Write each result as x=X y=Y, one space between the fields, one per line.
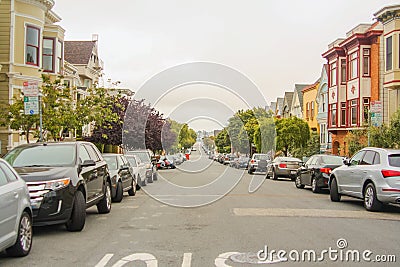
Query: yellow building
x=310 y=109
x=31 y=44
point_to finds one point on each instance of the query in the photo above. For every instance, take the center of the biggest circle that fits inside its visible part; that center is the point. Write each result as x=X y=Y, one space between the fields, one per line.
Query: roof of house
x=288 y=99
x=279 y=104
x=297 y=89
x=78 y=52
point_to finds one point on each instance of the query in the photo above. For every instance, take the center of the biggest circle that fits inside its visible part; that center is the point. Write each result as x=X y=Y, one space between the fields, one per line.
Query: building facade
x=297 y=102
x=353 y=82
x=322 y=116
x=287 y=105
x=310 y=106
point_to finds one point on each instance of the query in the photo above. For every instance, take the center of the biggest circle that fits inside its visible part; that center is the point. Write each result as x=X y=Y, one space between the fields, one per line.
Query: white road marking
x=147 y=258
x=187 y=260
x=103 y=262
x=220 y=260
x=320 y=213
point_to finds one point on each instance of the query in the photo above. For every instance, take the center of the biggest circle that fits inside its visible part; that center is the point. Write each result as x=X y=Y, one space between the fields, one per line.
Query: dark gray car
x=287 y=167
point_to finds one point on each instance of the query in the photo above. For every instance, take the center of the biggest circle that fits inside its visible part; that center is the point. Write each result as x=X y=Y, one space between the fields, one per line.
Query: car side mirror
x=88 y=163
x=346 y=162
x=124 y=167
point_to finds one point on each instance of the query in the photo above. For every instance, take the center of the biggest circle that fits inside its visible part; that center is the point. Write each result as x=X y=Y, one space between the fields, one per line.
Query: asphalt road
x=210 y=219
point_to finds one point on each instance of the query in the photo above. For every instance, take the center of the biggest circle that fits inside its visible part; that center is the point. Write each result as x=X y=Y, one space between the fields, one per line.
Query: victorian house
x=297 y=102
x=322 y=106
x=310 y=106
x=353 y=81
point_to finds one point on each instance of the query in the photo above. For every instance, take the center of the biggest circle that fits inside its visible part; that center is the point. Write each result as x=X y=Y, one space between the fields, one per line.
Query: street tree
x=292 y=133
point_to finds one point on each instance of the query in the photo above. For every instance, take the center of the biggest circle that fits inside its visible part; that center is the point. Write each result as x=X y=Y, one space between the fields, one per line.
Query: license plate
x=293 y=172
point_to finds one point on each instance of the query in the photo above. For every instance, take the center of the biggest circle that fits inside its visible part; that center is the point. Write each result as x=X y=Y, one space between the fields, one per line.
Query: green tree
x=187 y=136
x=292 y=133
x=223 y=142
x=17 y=120
x=264 y=135
x=356 y=140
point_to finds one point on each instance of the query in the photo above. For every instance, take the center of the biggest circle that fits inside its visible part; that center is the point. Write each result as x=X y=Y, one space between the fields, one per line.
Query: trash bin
x=187 y=156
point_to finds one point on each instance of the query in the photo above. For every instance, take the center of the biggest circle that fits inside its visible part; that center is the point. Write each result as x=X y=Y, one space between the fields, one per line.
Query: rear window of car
x=261 y=157
x=332 y=160
x=132 y=160
x=42 y=155
x=394 y=160
x=142 y=155
x=111 y=162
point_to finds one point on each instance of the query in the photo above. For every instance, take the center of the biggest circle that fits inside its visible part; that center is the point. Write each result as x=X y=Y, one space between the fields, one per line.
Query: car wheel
x=155 y=176
x=314 y=186
x=144 y=182
x=371 y=202
x=274 y=176
x=23 y=245
x=104 y=206
x=250 y=171
x=120 y=193
x=334 y=191
x=132 y=191
x=298 y=183
x=78 y=215
x=138 y=183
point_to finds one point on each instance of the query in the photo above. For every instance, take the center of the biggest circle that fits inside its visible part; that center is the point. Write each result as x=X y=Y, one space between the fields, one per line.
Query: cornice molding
x=43 y=4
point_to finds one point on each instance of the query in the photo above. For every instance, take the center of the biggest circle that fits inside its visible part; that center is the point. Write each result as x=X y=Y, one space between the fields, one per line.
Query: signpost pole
x=40 y=118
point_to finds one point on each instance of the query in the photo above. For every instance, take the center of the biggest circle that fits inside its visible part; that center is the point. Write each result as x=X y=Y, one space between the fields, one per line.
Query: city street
x=143 y=231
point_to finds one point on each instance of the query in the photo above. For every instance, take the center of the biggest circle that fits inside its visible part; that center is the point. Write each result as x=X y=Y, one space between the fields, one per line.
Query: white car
x=15 y=213
x=138 y=170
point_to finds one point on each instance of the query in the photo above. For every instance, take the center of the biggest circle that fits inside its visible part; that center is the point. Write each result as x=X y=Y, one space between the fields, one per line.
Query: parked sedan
x=64 y=178
x=138 y=170
x=316 y=171
x=15 y=213
x=372 y=174
x=283 y=167
x=121 y=176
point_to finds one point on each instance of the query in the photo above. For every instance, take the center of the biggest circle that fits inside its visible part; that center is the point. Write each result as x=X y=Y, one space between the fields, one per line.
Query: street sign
x=376 y=113
x=376 y=106
x=31 y=105
x=31 y=88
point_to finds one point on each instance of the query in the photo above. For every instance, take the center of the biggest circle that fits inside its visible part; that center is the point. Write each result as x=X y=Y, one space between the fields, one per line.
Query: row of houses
x=358 y=86
x=33 y=43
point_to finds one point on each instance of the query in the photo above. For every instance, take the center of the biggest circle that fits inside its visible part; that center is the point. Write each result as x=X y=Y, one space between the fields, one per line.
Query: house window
x=322 y=135
x=366 y=61
x=32 y=46
x=333 y=114
x=353 y=112
x=48 y=55
x=343 y=114
x=59 y=56
x=333 y=74
x=389 y=53
x=323 y=102
x=307 y=110
x=312 y=110
x=366 y=110
x=343 y=71
x=353 y=72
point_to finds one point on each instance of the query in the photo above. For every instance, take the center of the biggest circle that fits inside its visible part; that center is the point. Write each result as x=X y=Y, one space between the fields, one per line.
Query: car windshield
x=42 y=155
x=111 y=162
x=142 y=155
x=332 y=160
x=132 y=161
x=261 y=157
x=394 y=160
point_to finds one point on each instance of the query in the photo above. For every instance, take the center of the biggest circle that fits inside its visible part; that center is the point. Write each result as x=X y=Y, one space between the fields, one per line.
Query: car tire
x=314 y=187
x=138 y=183
x=371 y=202
x=23 y=245
x=78 y=214
x=334 y=191
x=274 y=176
x=297 y=182
x=144 y=182
x=119 y=194
x=250 y=171
x=132 y=191
x=104 y=206
x=155 y=176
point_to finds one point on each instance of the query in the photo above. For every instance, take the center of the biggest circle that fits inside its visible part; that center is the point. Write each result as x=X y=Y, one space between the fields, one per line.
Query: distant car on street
x=287 y=167
x=315 y=172
x=15 y=213
x=372 y=174
x=253 y=165
x=137 y=169
x=146 y=160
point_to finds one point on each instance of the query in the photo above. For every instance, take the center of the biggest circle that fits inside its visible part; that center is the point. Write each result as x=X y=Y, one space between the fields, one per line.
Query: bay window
x=353 y=71
x=333 y=112
x=32 y=45
x=366 y=62
x=389 y=53
x=48 y=55
x=343 y=70
x=353 y=112
x=333 y=74
x=343 y=114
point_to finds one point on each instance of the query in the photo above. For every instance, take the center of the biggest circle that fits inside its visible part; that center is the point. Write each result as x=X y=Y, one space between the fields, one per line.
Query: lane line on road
x=187 y=260
x=320 y=213
x=103 y=262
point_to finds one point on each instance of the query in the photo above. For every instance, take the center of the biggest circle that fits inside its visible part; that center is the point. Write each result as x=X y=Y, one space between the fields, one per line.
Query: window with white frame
x=366 y=61
x=333 y=114
x=389 y=53
x=48 y=55
x=322 y=133
x=343 y=69
x=353 y=65
x=333 y=74
x=343 y=114
x=312 y=110
x=353 y=112
x=59 y=57
x=32 y=45
x=323 y=99
x=366 y=110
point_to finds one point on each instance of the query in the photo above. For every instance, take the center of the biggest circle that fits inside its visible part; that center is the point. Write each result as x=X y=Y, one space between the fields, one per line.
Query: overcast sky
x=274 y=43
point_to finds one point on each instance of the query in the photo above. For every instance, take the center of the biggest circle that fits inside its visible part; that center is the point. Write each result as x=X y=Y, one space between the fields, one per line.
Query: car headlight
x=57 y=184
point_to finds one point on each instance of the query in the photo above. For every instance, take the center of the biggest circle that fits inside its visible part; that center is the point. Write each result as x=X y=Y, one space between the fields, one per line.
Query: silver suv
x=254 y=163
x=15 y=213
x=372 y=174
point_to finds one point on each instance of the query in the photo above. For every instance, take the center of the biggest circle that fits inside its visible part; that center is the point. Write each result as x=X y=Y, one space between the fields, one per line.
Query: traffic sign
x=31 y=88
x=31 y=105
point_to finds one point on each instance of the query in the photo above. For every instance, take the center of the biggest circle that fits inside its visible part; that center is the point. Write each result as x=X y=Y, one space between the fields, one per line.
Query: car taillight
x=390 y=173
x=326 y=170
x=252 y=161
x=282 y=165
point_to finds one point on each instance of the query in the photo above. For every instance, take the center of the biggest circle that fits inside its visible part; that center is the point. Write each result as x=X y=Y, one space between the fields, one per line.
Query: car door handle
x=364 y=171
x=16 y=195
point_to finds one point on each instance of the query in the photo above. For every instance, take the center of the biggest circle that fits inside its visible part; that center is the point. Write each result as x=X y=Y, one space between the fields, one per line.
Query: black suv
x=64 y=179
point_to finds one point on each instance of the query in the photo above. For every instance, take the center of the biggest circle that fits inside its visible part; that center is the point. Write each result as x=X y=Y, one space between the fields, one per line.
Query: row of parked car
x=54 y=183
x=372 y=174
